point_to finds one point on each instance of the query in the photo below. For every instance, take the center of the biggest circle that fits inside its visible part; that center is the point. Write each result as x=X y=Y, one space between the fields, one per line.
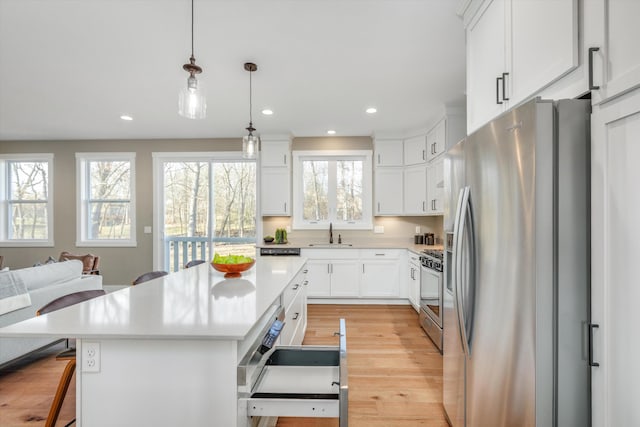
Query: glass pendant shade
x=192 y=103
x=250 y=146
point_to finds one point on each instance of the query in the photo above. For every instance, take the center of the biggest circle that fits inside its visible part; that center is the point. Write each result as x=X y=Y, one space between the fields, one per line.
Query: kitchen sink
x=330 y=245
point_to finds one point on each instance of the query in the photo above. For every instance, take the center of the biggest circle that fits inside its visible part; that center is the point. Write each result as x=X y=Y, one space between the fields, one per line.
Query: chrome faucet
x=330 y=233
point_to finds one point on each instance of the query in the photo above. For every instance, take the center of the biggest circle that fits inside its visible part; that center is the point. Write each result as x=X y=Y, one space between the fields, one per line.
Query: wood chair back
x=90 y=262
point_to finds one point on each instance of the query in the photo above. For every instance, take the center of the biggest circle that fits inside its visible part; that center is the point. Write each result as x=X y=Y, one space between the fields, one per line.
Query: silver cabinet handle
x=285 y=206
x=423 y=206
x=380 y=254
x=591 y=52
x=295 y=317
x=378 y=207
x=296 y=286
x=305 y=271
x=284 y=158
x=424 y=154
x=378 y=158
x=306 y=282
x=363 y=268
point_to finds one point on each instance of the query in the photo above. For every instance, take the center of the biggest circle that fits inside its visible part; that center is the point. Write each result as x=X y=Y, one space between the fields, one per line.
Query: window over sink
x=332 y=187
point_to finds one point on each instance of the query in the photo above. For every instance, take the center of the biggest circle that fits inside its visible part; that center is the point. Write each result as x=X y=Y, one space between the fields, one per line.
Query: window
x=106 y=199
x=26 y=195
x=204 y=203
x=332 y=187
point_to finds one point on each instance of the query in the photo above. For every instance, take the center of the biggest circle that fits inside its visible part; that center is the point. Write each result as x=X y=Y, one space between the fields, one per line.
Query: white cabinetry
x=415 y=150
x=388 y=177
x=380 y=273
x=436 y=140
x=275 y=178
x=617 y=60
x=388 y=185
x=415 y=190
x=294 y=301
x=435 y=187
x=388 y=152
x=333 y=272
x=354 y=273
x=414 y=280
x=510 y=56
x=615 y=250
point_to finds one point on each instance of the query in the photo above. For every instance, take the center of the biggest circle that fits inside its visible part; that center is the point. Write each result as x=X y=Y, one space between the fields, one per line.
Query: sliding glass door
x=204 y=204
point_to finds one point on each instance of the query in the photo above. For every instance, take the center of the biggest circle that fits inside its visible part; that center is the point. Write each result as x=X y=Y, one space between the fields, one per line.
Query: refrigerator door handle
x=592 y=326
x=465 y=285
x=456 y=258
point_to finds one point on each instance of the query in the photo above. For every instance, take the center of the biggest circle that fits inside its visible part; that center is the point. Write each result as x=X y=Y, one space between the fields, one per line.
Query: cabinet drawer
x=380 y=253
x=278 y=391
x=292 y=318
x=290 y=293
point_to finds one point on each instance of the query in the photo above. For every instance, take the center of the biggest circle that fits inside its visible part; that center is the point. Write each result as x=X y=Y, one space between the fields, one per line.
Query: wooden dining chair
x=194 y=262
x=69 y=354
x=148 y=276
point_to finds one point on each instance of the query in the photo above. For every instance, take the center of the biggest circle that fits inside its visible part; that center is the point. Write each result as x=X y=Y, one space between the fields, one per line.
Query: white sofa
x=44 y=284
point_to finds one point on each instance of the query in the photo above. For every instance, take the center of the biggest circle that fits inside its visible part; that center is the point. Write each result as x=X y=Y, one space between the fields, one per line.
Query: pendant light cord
x=250 y=101
x=192 y=28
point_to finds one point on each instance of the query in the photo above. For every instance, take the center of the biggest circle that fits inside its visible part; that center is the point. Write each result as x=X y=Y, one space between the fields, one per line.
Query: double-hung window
x=106 y=199
x=332 y=187
x=26 y=196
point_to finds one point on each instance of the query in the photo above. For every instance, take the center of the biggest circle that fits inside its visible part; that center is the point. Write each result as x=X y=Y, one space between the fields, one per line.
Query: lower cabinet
x=333 y=277
x=354 y=273
x=414 y=280
x=294 y=301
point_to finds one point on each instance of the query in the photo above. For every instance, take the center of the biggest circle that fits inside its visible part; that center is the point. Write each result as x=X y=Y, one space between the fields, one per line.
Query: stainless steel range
x=431 y=284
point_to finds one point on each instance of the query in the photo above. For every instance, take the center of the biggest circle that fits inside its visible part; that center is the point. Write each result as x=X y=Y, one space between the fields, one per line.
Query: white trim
x=4 y=187
x=199 y=155
x=367 y=190
x=81 y=199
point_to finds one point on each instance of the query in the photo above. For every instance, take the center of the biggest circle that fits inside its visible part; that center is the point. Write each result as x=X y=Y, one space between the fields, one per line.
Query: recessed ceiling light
x=267 y=112
x=127 y=118
x=371 y=110
x=331 y=132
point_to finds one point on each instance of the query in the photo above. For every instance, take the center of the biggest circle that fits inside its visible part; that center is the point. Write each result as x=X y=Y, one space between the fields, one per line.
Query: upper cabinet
x=276 y=153
x=510 y=56
x=275 y=177
x=415 y=150
x=388 y=152
x=616 y=56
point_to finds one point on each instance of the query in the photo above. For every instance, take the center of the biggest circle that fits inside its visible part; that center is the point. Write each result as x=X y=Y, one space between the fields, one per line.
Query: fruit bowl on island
x=232 y=265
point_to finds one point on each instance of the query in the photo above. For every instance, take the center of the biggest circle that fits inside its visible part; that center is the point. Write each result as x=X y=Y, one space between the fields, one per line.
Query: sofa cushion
x=49 y=274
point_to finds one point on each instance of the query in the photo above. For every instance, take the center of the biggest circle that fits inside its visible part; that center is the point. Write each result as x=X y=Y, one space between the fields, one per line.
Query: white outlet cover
x=90 y=357
x=378 y=229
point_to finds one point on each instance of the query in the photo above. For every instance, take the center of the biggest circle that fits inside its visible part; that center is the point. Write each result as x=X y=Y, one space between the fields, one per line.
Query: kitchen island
x=166 y=352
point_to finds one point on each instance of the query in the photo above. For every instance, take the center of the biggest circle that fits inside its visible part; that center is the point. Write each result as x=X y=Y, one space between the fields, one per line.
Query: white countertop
x=196 y=303
x=354 y=244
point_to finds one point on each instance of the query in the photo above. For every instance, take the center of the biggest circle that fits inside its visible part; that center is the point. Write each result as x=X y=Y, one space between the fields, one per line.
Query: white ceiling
x=70 y=68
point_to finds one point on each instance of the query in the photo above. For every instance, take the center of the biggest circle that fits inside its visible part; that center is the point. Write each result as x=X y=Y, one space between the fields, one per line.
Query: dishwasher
x=292 y=381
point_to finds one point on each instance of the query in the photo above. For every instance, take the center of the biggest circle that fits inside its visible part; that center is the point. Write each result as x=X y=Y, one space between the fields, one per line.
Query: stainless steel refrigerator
x=516 y=304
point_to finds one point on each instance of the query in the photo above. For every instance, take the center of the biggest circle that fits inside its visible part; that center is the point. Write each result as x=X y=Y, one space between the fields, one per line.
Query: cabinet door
x=540 y=54
x=615 y=250
x=485 y=63
x=344 y=278
x=275 y=154
x=436 y=140
x=388 y=191
x=621 y=63
x=414 y=282
x=415 y=150
x=318 y=278
x=276 y=192
x=435 y=187
x=388 y=152
x=380 y=278
x=415 y=190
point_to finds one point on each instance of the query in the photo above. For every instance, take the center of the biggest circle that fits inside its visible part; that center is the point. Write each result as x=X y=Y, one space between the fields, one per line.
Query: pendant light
x=191 y=101
x=250 y=142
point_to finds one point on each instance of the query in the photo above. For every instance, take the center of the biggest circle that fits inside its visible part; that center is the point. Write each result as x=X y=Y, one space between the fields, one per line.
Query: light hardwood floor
x=395 y=373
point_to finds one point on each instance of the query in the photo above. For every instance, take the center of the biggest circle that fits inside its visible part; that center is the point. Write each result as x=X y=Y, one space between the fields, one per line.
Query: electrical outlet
x=288 y=228
x=90 y=357
x=417 y=229
x=378 y=229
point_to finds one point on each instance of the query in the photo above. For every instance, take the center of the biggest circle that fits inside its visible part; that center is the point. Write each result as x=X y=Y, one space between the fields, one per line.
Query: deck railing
x=180 y=250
